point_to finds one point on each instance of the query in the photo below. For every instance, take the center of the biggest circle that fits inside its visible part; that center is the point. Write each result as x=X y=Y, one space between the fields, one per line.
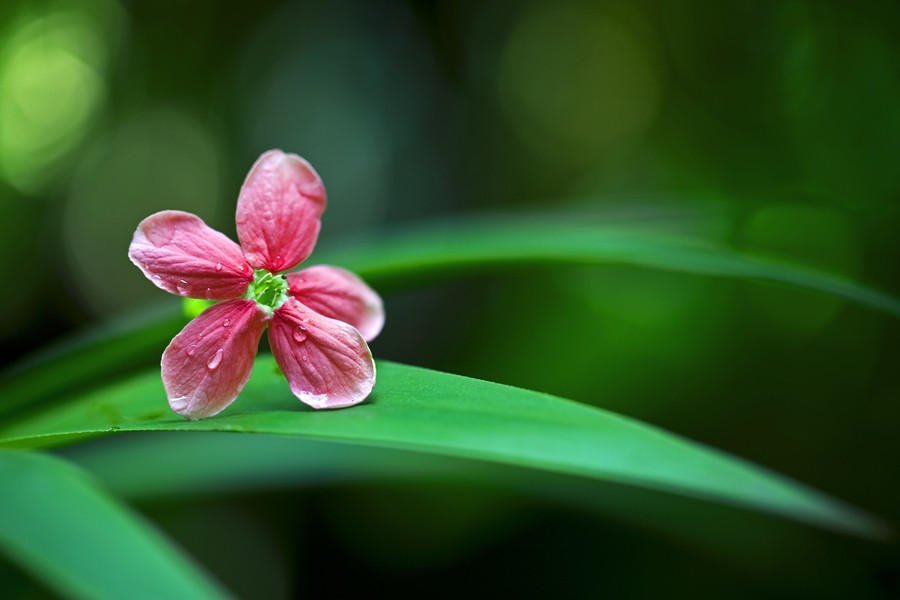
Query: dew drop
x=218 y=266
x=215 y=360
x=314 y=400
x=189 y=351
x=184 y=281
x=300 y=335
x=199 y=336
x=226 y=322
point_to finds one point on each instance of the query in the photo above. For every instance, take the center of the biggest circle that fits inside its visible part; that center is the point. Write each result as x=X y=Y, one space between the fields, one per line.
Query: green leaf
x=426 y=253
x=152 y=466
x=418 y=409
x=102 y=352
x=59 y=525
x=447 y=250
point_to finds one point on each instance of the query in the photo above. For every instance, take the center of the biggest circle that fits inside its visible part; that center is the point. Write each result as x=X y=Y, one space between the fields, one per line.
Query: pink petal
x=207 y=365
x=327 y=362
x=278 y=211
x=181 y=254
x=339 y=294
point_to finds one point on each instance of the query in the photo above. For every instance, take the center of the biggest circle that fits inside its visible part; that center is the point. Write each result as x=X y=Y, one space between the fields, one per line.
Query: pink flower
x=319 y=318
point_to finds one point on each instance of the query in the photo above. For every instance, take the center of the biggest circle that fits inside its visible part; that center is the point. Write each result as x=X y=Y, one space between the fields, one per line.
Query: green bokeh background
x=772 y=127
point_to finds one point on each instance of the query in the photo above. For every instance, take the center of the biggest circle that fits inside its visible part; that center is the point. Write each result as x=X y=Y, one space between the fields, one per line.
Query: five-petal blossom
x=319 y=318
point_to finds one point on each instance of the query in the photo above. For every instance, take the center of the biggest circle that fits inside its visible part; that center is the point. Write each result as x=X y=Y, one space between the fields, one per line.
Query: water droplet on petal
x=199 y=336
x=189 y=351
x=226 y=322
x=315 y=400
x=300 y=335
x=215 y=360
x=218 y=266
x=184 y=281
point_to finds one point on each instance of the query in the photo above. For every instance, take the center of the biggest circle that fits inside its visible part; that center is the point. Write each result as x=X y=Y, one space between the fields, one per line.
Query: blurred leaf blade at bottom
x=422 y=410
x=150 y=466
x=60 y=526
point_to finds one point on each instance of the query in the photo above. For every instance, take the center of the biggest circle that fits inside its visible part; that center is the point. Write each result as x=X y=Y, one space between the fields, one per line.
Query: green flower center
x=269 y=291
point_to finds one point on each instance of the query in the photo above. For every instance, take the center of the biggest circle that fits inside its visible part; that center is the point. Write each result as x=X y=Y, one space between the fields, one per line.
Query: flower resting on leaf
x=319 y=318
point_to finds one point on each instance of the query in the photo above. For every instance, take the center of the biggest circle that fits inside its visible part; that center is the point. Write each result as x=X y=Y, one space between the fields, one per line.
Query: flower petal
x=207 y=365
x=339 y=294
x=278 y=211
x=327 y=362
x=181 y=254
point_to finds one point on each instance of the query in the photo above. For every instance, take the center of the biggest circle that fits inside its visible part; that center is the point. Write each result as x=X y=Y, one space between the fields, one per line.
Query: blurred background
x=772 y=127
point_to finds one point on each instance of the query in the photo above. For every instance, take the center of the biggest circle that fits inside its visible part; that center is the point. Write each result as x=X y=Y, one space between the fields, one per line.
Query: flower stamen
x=268 y=290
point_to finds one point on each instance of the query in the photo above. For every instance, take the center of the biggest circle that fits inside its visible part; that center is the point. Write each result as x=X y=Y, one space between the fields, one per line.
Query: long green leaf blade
x=59 y=525
x=430 y=252
x=435 y=252
x=152 y=465
x=424 y=410
x=106 y=350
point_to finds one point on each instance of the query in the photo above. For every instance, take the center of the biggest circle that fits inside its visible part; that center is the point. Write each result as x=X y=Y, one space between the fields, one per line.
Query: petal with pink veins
x=339 y=294
x=279 y=211
x=207 y=365
x=326 y=361
x=181 y=254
